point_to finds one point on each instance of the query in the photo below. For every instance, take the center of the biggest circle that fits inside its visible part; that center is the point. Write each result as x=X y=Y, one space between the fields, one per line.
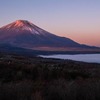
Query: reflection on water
x=95 y=58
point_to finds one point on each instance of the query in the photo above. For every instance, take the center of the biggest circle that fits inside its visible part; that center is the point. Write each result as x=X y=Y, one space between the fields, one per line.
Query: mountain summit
x=22 y=25
x=22 y=33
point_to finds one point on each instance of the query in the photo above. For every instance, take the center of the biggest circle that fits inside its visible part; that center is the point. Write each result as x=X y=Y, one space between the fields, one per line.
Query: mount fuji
x=24 y=34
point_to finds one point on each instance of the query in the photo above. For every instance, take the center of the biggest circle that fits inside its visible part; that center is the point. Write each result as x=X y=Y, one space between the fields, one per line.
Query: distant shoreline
x=90 y=58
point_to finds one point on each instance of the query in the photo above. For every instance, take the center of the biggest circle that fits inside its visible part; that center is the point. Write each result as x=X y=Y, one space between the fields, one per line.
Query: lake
x=94 y=58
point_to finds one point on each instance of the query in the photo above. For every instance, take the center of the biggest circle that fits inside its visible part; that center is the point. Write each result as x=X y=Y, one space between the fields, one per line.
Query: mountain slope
x=24 y=34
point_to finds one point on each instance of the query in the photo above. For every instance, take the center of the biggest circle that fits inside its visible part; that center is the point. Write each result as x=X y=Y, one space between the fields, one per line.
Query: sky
x=76 y=19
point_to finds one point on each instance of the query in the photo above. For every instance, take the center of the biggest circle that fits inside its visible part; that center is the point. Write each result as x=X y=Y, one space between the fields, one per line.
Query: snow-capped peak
x=20 y=23
x=23 y=25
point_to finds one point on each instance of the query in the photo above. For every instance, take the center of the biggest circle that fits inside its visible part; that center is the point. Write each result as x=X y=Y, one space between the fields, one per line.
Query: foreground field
x=35 y=78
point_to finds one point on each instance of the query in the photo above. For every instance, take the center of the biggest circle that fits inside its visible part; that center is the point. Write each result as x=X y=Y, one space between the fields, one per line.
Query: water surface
x=94 y=58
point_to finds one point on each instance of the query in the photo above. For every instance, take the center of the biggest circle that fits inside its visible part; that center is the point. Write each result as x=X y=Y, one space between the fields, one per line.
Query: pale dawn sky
x=75 y=19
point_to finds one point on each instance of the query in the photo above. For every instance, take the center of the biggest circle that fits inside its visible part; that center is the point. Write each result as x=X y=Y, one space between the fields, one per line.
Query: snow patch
x=22 y=25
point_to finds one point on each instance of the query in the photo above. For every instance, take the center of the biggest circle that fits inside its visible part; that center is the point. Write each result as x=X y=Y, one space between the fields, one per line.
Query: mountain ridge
x=25 y=34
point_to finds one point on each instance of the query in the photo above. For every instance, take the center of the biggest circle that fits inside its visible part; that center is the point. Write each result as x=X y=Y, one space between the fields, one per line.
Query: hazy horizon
x=75 y=19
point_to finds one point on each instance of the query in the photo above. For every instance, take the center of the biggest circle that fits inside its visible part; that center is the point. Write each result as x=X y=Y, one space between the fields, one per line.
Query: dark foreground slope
x=25 y=78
